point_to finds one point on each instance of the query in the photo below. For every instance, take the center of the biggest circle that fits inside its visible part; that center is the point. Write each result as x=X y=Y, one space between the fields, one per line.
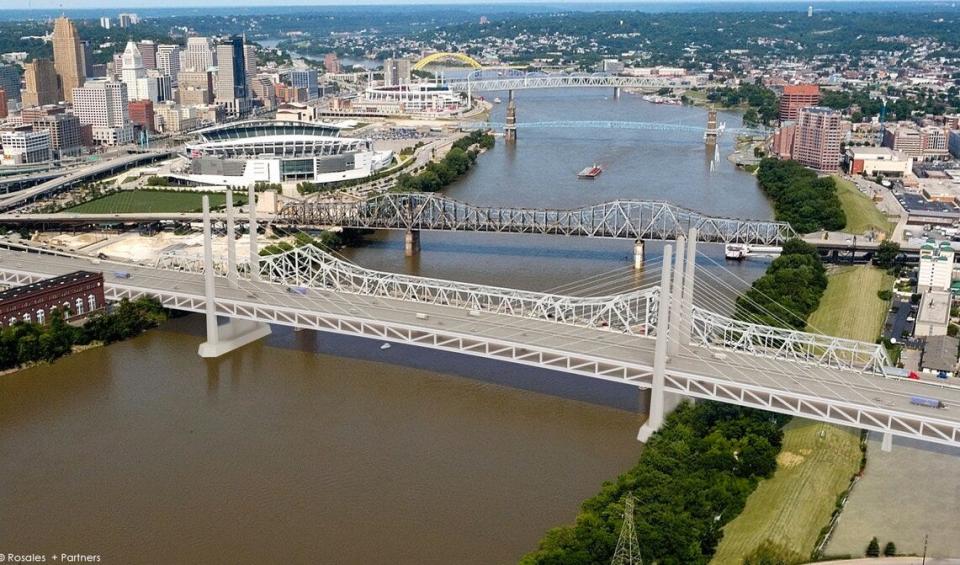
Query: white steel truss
x=570 y=80
x=632 y=313
x=864 y=416
x=628 y=219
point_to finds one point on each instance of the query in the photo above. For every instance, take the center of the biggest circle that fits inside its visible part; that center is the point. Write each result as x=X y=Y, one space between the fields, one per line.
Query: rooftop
x=47 y=284
x=934 y=307
x=940 y=353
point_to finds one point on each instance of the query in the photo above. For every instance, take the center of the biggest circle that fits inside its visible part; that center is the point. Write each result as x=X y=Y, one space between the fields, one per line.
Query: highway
x=839 y=396
x=12 y=200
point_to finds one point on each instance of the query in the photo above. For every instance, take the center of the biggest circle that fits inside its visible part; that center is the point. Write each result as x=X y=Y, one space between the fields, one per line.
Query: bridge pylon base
x=411 y=243
x=638 y=254
x=887 y=443
x=670 y=403
x=233 y=335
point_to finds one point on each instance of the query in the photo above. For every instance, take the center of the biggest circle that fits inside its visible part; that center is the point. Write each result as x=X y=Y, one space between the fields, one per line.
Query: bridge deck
x=826 y=394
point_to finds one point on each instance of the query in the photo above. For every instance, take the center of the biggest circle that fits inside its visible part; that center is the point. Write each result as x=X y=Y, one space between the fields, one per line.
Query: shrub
x=884 y=294
x=890 y=549
x=873 y=548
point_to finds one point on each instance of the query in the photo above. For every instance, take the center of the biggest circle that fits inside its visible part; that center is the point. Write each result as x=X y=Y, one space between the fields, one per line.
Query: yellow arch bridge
x=433 y=58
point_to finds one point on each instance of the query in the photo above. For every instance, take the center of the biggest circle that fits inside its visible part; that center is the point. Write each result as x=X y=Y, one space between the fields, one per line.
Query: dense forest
x=801 y=198
x=693 y=477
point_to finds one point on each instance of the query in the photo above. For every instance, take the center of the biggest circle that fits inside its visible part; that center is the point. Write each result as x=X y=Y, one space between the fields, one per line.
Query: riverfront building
x=276 y=151
x=77 y=294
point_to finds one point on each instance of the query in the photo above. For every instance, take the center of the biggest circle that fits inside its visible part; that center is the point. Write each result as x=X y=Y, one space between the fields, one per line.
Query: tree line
x=801 y=198
x=29 y=342
x=457 y=161
x=693 y=477
x=788 y=292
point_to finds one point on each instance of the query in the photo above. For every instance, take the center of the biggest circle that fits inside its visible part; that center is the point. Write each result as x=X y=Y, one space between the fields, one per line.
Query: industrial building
x=77 y=294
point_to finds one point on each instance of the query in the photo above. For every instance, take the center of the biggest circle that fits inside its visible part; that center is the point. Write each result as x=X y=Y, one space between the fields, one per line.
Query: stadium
x=252 y=151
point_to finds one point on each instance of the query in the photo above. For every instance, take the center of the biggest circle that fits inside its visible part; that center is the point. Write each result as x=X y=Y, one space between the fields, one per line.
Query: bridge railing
x=628 y=219
x=632 y=313
x=710 y=329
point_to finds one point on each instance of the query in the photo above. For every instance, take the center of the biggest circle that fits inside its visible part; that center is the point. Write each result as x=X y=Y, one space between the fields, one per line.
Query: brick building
x=817 y=141
x=79 y=293
x=795 y=97
x=141 y=113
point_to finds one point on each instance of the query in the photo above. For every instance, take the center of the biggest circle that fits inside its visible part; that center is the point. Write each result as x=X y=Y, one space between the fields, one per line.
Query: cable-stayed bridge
x=652 y=338
x=626 y=219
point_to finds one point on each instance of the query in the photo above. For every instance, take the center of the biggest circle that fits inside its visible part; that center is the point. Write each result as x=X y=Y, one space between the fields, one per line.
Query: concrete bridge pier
x=411 y=243
x=254 y=260
x=887 y=443
x=638 y=254
x=616 y=93
x=236 y=333
x=510 y=128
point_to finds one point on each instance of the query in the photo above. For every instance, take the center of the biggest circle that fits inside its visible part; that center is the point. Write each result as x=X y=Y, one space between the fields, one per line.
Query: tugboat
x=497 y=100
x=590 y=172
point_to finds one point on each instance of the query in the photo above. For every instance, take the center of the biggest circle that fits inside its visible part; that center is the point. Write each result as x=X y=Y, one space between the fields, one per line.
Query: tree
x=887 y=253
x=770 y=553
x=873 y=548
x=890 y=549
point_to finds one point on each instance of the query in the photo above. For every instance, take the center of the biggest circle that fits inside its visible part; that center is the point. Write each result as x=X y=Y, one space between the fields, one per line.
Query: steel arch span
x=462 y=57
x=619 y=219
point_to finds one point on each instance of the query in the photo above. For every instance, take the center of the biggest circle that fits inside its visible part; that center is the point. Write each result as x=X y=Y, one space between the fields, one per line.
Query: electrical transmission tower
x=628 y=549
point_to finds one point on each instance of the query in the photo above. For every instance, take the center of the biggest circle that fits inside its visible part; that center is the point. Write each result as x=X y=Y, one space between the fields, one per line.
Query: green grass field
x=130 y=201
x=850 y=307
x=862 y=213
x=791 y=507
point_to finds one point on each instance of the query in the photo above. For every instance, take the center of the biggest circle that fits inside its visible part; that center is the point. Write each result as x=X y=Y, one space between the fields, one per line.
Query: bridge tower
x=235 y=333
x=628 y=548
x=510 y=129
x=674 y=312
x=616 y=93
x=713 y=129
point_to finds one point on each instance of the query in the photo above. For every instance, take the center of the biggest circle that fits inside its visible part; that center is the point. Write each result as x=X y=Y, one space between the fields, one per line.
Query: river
x=314 y=448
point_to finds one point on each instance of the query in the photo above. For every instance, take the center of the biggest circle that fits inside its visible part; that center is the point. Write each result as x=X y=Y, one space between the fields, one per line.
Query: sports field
x=862 y=213
x=850 y=307
x=814 y=466
x=137 y=201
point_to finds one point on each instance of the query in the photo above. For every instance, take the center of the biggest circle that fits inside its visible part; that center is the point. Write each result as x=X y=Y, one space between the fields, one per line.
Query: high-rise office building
x=105 y=22
x=231 y=70
x=67 y=57
x=795 y=97
x=103 y=105
x=10 y=81
x=3 y=104
x=396 y=72
x=199 y=55
x=86 y=51
x=195 y=87
x=148 y=52
x=305 y=78
x=249 y=66
x=25 y=147
x=168 y=61
x=132 y=71
x=40 y=79
x=817 y=141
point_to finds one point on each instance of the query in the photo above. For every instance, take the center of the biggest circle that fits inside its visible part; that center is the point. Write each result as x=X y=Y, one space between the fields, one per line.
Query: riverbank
x=815 y=467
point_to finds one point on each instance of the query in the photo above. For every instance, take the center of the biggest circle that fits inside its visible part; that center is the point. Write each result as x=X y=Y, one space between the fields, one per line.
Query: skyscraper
x=103 y=105
x=231 y=70
x=67 y=57
x=198 y=56
x=249 y=66
x=307 y=79
x=148 y=51
x=40 y=78
x=132 y=71
x=10 y=81
x=817 y=141
x=168 y=61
